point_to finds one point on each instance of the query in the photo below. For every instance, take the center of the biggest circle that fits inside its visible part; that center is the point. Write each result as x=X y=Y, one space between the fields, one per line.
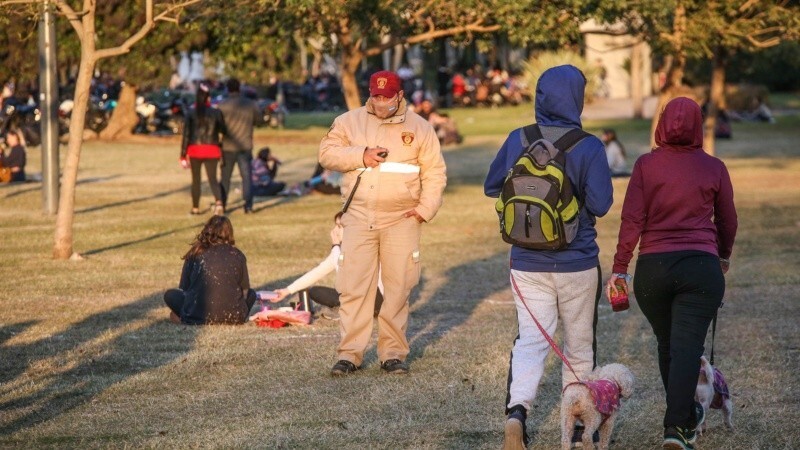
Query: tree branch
x=73 y=17
x=430 y=35
x=149 y=24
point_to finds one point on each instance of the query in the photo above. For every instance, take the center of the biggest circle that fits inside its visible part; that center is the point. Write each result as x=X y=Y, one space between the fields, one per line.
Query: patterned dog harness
x=720 y=390
x=605 y=394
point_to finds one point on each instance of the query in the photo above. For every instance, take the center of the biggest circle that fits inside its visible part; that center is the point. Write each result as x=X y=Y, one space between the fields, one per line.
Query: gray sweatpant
x=550 y=297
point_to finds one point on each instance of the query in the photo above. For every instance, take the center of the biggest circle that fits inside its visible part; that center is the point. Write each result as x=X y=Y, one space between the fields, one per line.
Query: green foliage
x=534 y=68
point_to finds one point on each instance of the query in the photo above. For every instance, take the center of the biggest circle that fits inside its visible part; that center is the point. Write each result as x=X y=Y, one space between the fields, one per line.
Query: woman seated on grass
x=323 y=295
x=214 y=286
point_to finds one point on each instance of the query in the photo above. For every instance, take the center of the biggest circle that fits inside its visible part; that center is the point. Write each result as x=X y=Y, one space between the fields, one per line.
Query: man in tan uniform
x=394 y=176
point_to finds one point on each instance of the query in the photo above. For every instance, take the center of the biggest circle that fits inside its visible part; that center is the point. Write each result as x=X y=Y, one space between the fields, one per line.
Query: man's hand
x=371 y=158
x=414 y=213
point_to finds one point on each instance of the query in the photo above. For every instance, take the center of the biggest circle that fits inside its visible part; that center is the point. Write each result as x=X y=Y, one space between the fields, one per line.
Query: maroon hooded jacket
x=679 y=197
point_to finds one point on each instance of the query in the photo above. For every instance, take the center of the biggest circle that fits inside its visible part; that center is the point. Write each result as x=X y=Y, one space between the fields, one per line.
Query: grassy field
x=88 y=359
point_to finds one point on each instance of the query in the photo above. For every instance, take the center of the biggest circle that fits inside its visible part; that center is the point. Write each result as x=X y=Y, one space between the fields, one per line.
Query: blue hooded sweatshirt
x=559 y=103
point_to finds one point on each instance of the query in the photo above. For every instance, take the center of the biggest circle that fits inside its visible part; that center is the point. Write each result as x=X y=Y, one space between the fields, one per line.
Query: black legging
x=679 y=293
x=174 y=298
x=326 y=296
x=211 y=173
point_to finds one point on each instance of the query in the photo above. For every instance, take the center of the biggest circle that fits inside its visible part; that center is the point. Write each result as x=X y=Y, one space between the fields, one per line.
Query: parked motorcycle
x=273 y=114
x=25 y=117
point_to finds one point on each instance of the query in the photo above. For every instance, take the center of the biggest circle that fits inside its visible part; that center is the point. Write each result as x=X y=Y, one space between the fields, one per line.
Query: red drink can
x=619 y=301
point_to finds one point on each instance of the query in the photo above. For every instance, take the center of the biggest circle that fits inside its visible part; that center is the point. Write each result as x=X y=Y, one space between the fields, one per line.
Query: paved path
x=617 y=108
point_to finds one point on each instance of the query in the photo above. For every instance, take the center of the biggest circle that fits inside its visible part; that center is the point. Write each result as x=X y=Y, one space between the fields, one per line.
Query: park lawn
x=88 y=359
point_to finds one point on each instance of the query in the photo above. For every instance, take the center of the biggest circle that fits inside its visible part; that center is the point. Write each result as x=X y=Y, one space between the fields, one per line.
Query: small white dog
x=595 y=401
x=712 y=392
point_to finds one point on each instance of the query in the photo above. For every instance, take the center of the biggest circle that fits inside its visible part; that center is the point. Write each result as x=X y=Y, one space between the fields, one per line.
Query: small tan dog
x=712 y=392
x=595 y=401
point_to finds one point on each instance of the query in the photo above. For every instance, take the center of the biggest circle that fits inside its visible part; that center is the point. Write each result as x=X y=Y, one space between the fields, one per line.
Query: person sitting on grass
x=322 y=181
x=15 y=160
x=264 y=169
x=323 y=295
x=215 y=285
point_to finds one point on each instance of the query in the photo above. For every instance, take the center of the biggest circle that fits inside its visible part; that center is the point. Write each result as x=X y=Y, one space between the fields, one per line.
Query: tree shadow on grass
x=129 y=201
x=454 y=302
x=144 y=239
x=43 y=379
x=38 y=185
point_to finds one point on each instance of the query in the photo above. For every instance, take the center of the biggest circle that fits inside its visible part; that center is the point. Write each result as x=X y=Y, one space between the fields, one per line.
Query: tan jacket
x=413 y=176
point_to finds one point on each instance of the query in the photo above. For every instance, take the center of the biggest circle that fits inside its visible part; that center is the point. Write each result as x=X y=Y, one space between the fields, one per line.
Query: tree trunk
x=62 y=248
x=350 y=87
x=674 y=81
x=351 y=58
x=636 y=80
x=124 y=118
x=716 y=100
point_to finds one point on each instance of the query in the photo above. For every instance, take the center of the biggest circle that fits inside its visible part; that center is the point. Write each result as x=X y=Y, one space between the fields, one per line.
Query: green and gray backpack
x=537 y=208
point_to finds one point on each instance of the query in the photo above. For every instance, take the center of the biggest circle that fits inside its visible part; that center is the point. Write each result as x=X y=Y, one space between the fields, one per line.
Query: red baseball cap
x=385 y=83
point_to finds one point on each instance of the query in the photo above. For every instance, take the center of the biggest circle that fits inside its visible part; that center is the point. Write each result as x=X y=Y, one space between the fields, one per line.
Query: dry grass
x=87 y=358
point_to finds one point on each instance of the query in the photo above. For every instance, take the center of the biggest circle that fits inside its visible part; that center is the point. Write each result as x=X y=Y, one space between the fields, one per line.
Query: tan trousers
x=396 y=251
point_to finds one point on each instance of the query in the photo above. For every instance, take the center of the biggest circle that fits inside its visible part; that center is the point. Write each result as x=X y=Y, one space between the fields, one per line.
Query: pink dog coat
x=605 y=394
x=720 y=390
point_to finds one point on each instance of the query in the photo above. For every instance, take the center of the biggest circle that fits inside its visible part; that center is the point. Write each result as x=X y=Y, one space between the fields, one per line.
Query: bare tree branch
x=431 y=34
x=73 y=17
x=149 y=24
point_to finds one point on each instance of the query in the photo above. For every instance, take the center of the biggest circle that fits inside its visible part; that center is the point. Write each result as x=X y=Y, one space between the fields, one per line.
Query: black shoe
x=699 y=417
x=343 y=367
x=677 y=438
x=394 y=366
x=248 y=210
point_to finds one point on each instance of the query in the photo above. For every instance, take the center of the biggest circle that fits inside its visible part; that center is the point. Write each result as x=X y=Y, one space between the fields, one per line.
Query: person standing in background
x=241 y=114
x=201 y=147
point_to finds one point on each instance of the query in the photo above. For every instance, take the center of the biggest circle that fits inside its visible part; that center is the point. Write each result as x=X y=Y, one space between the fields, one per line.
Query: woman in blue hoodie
x=558 y=284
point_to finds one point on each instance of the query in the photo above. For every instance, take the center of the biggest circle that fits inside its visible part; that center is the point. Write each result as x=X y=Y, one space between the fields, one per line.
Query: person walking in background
x=201 y=145
x=556 y=284
x=16 y=159
x=263 y=172
x=394 y=176
x=215 y=285
x=323 y=295
x=615 y=153
x=240 y=114
x=679 y=208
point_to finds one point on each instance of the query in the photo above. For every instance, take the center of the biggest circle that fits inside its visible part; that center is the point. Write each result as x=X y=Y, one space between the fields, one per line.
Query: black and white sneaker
x=677 y=438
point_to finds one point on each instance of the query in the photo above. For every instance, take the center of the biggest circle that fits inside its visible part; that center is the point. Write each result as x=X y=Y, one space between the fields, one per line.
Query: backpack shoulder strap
x=568 y=140
x=530 y=134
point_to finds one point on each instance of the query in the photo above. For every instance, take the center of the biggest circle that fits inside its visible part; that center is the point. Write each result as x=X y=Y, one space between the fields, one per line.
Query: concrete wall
x=613 y=51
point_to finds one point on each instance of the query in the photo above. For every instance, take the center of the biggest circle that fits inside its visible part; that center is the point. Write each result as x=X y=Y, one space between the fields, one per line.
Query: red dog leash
x=544 y=333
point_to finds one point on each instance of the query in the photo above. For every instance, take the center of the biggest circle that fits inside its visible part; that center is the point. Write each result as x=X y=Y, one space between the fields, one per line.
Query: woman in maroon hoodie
x=679 y=208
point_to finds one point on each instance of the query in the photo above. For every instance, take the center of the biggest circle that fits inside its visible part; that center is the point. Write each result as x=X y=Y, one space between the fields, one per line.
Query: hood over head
x=559 y=97
x=680 y=125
